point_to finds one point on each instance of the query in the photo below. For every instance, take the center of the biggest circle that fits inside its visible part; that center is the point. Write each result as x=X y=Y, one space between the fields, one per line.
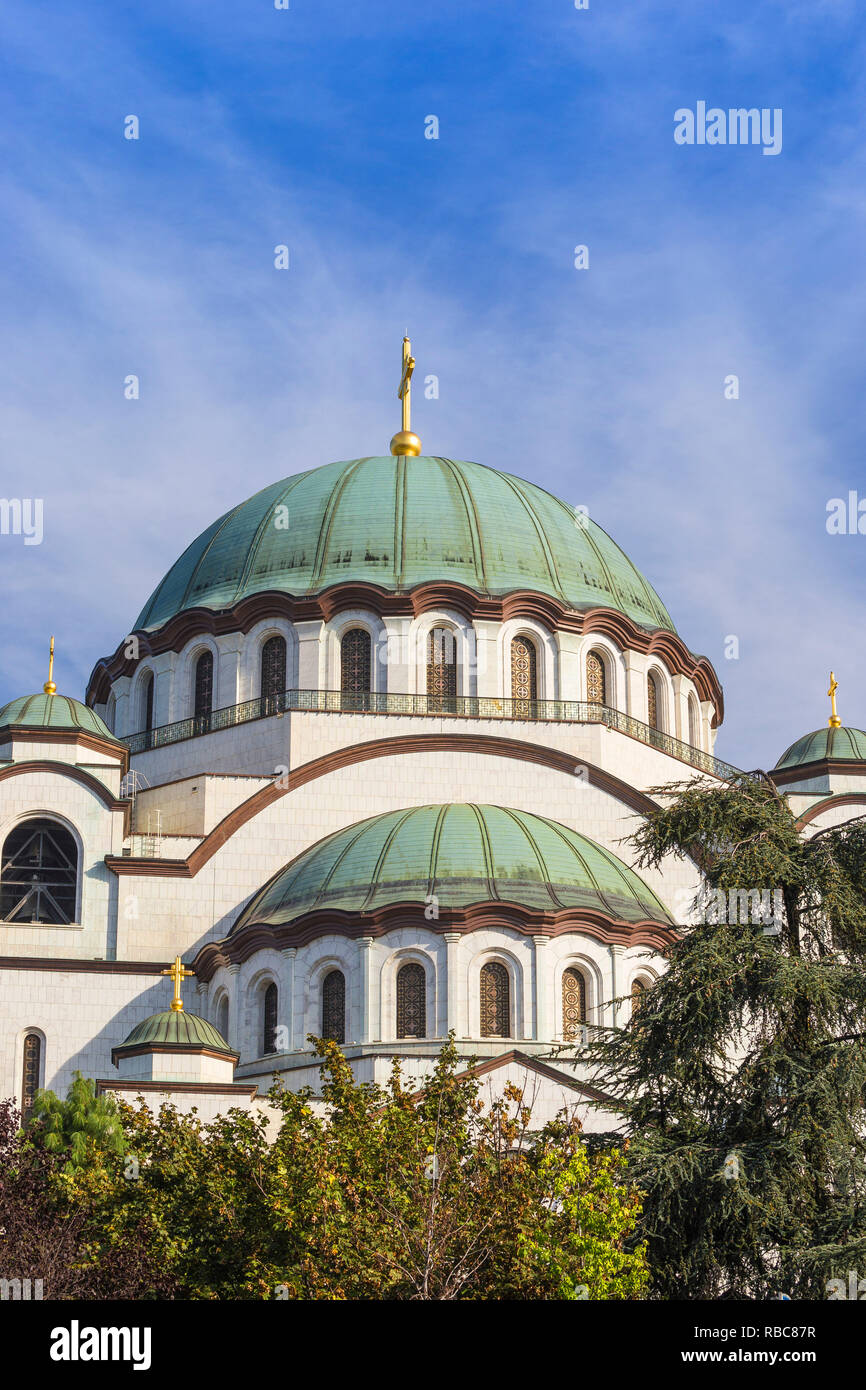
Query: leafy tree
x=79 y=1126
x=48 y=1231
x=372 y=1193
x=742 y=1075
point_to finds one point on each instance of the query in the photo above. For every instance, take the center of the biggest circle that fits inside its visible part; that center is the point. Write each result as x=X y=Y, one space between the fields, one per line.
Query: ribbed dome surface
x=824 y=744
x=53 y=712
x=177 y=1029
x=397 y=523
x=463 y=854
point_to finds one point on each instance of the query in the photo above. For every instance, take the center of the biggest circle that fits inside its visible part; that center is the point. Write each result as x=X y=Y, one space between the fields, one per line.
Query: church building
x=363 y=767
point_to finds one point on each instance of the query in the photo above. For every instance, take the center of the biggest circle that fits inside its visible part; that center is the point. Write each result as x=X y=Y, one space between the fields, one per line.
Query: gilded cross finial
x=49 y=687
x=405 y=442
x=178 y=974
x=834 y=721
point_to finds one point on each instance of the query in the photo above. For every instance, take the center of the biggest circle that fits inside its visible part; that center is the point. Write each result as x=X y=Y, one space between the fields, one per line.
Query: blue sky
x=606 y=386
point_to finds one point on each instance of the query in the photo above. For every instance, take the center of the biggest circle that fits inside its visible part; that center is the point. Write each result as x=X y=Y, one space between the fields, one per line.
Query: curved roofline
x=174 y=635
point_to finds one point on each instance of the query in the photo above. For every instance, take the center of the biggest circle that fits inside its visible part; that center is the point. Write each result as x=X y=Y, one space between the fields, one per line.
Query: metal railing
x=449 y=706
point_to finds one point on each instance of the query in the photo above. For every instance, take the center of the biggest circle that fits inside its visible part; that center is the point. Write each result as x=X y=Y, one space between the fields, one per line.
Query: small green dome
x=847 y=745
x=53 y=712
x=462 y=854
x=398 y=523
x=177 y=1028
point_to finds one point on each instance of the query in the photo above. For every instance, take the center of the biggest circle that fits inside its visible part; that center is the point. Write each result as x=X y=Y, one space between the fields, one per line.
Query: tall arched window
x=111 y=712
x=441 y=671
x=334 y=1006
x=203 y=692
x=694 y=723
x=31 y=1073
x=573 y=1003
x=495 y=1001
x=39 y=874
x=223 y=1017
x=147 y=708
x=355 y=669
x=596 y=680
x=273 y=676
x=411 y=1001
x=652 y=701
x=524 y=677
x=638 y=990
x=269 y=1020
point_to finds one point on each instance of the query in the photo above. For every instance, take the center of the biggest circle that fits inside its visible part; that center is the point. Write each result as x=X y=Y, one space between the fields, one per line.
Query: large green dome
x=823 y=745
x=53 y=712
x=462 y=854
x=397 y=523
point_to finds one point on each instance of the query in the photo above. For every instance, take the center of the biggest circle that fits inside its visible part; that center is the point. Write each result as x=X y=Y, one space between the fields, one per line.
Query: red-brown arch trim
x=843 y=799
x=522 y=603
x=494 y=746
x=77 y=774
x=235 y=949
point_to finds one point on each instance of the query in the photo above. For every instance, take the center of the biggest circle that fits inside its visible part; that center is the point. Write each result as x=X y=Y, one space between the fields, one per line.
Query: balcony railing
x=449 y=706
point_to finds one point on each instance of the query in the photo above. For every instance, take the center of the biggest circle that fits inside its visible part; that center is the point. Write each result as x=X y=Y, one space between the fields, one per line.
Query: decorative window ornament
x=411 y=1001
x=334 y=1006
x=652 y=700
x=273 y=675
x=596 y=682
x=356 y=668
x=573 y=1003
x=203 y=691
x=30 y=1077
x=441 y=671
x=39 y=874
x=495 y=1002
x=524 y=683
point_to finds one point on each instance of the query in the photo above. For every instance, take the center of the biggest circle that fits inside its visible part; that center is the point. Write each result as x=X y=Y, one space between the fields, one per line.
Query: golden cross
x=834 y=721
x=49 y=687
x=405 y=392
x=178 y=974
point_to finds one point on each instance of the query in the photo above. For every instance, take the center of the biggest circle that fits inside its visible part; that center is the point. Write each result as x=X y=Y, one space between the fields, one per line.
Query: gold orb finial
x=404 y=441
x=834 y=721
x=49 y=687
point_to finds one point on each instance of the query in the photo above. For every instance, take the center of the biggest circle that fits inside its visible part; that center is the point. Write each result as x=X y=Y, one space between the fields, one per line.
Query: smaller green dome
x=462 y=854
x=177 y=1028
x=848 y=745
x=53 y=712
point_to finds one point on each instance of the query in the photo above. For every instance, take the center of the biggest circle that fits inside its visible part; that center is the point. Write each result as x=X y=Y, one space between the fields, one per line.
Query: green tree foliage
x=373 y=1193
x=743 y=1073
x=78 y=1127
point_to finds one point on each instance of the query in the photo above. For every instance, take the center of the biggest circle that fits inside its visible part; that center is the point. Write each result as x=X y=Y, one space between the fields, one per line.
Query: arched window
x=638 y=989
x=694 y=723
x=596 y=680
x=441 y=671
x=334 y=1006
x=39 y=874
x=652 y=701
x=223 y=1017
x=573 y=1003
x=269 y=1020
x=411 y=1001
x=524 y=679
x=355 y=669
x=111 y=711
x=273 y=677
x=31 y=1073
x=203 y=692
x=147 y=708
x=495 y=1002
